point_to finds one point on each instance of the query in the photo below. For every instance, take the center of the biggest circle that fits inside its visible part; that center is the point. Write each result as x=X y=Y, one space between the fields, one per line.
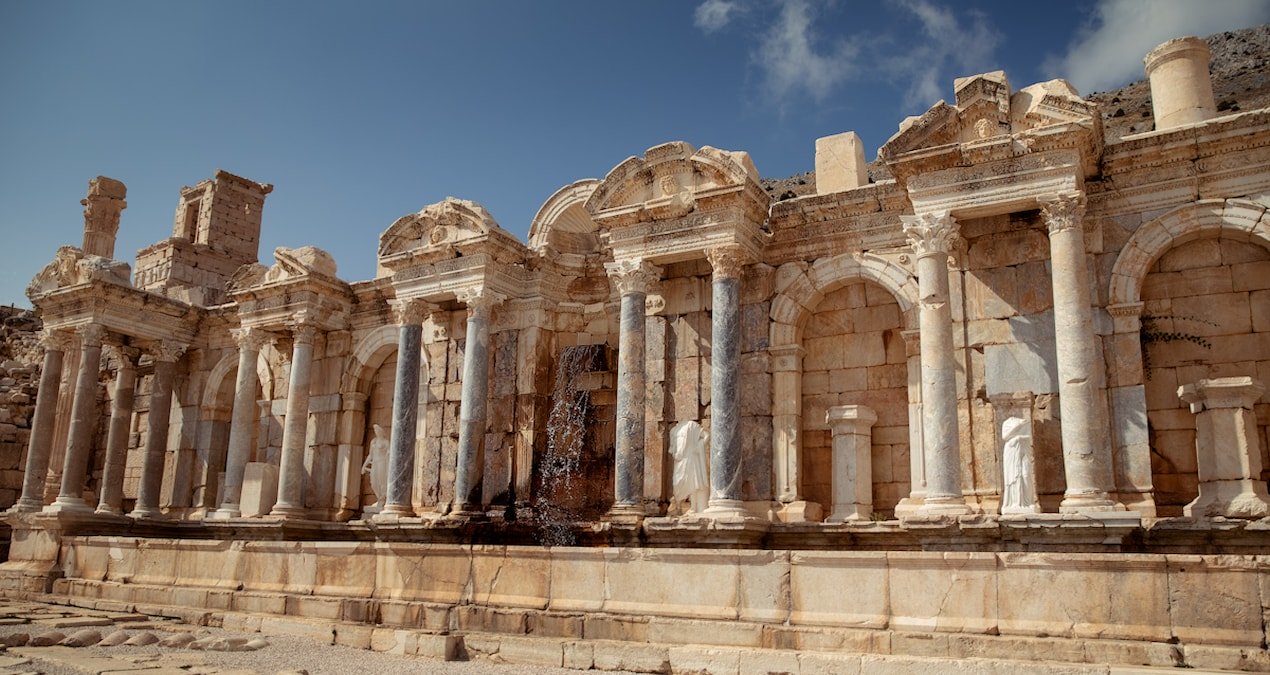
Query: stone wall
x=20 y=358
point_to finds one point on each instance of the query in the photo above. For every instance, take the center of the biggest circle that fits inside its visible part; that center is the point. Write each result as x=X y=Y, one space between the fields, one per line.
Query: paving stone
x=73 y=622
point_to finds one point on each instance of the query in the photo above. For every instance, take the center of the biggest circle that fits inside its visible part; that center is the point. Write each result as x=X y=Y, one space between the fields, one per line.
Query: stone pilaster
x=931 y=237
x=43 y=422
x=473 y=400
x=111 y=498
x=295 y=428
x=852 y=462
x=725 y=382
x=405 y=408
x=243 y=419
x=1228 y=453
x=165 y=357
x=1086 y=461
x=633 y=279
x=83 y=421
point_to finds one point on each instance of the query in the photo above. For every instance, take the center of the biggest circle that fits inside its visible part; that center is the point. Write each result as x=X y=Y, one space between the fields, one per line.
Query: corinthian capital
x=1063 y=211
x=56 y=340
x=633 y=276
x=931 y=233
x=480 y=301
x=167 y=350
x=249 y=339
x=728 y=261
x=412 y=311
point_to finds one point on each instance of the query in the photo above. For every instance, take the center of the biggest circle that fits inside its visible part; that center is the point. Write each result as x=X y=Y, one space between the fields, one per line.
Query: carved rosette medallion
x=633 y=276
x=1063 y=211
x=412 y=311
x=728 y=261
x=56 y=340
x=249 y=339
x=167 y=350
x=931 y=233
x=480 y=301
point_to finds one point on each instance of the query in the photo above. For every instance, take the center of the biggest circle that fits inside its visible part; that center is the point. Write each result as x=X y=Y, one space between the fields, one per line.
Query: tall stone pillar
x=1086 y=459
x=852 y=462
x=295 y=428
x=165 y=357
x=243 y=419
x=1228 y=453
x=405 y=410
x=42 y=424
x=633 y=279
x=725 y=382
x=473 y=401
x=931 y=237
x=111 y=498
x=83 y=421
x=916 y=438
x=102 y=207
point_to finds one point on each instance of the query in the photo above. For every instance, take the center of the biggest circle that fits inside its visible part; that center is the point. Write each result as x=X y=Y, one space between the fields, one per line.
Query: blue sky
x=359 y=113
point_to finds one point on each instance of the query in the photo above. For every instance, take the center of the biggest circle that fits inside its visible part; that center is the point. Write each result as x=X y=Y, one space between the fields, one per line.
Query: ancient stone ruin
x=1010 y=401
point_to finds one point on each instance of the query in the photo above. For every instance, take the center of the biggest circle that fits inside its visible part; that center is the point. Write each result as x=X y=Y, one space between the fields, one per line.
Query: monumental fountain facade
x=1006 y=399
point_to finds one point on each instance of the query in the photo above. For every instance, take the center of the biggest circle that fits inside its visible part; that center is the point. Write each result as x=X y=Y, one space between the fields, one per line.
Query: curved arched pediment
x=670 y=172
x=563 y=223
x=436 y=226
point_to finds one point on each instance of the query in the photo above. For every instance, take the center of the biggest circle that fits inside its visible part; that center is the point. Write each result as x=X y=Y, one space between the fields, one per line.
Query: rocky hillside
x=1240 y=69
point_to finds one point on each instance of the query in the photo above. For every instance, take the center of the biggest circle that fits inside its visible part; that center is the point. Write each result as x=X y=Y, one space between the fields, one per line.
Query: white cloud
x=713 y=15
x=948 y=48
x=792 y=60
x=1108 y=51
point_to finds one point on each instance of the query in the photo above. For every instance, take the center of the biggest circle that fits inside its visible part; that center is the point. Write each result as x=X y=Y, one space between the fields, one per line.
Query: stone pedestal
x=111 y=500
x=83 y=421
x=291 y=475
x=165 y=357
x=473 y=405
x=242 y=421
x=633 y=279
x=852 y=462
x=931 y=237
x=725 y=384
x=42 y=425
x=1227 y=450
x=259 y=489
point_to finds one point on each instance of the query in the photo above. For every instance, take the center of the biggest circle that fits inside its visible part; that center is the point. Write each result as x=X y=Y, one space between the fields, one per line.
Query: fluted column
x=111 y=498
x=725 y=381
x=243 y=419
x=83 y=420
x=55 y=343
x=633 y=279
x=1086 y=460
x=931 y=237
x=165 y=357
x=405 y=409
x=473 y=404
x=295 y=428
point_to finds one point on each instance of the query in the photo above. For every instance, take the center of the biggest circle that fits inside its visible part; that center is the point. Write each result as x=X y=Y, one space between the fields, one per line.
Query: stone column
x=931 y=237
x=852 y=462
x=787 y=429
x=165 y=357
x=1086 y=462
x=405 y=410
x=473 y=401
x=83 y=421
x=633 y=279
x=916 y=438
x=295 y=428
x=1228 y=452
x=725 y=382
x=55 y=344
x=111 y=498
x=242 y=420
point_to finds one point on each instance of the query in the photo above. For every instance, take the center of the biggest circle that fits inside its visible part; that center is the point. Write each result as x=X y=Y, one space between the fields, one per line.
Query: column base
x=727 y=509
x=800 y=512
x=851 y=513
x=1239 y=498
x=25 y=505
x=146 y=512
x=943 y=506
x=287 y=512
x=909 y=505
x=68 y=505
x=393 y=512
x=225 y=513
x=466 y=511
x=1090 y=502
x=626 y=514
x=107 y=510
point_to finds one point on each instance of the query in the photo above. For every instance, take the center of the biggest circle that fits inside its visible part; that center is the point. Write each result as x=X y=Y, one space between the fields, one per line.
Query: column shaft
x=111 y=500
x=472 y=408
x=295 y=428
x=629 y=479
x=83 y=420
x=725 y=382
x=243 y=419
x=1086 y=462
x=41 y=443
x=405 y=420
x=157 y=440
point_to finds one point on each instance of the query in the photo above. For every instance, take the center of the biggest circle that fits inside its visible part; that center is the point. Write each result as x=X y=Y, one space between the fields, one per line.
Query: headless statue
x=1018 y=494
x=692 y=467
x=376 y=465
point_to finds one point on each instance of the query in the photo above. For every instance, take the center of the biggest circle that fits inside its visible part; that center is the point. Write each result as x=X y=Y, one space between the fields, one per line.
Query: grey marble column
x=243 y=419
x=55 y=342
x=83 y=421
x=725 y=382
x=405 y=410
x=165 y=357
x=473 y=404
x=633 y=279
x=295 y=429
x=931 y=237
x=1086 y=459
x=111 y=498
